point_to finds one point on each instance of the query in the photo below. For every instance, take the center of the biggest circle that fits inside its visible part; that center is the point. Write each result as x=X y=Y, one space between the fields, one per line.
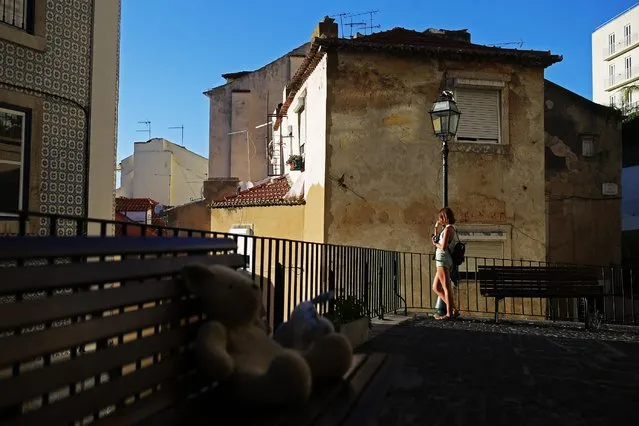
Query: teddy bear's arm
x=211 y=347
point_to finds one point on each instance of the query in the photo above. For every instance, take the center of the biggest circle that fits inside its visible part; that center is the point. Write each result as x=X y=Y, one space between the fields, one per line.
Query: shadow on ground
x=474 y=372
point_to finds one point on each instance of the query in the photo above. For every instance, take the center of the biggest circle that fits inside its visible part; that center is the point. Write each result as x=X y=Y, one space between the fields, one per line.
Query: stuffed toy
x=329 y=354
x=234 y=349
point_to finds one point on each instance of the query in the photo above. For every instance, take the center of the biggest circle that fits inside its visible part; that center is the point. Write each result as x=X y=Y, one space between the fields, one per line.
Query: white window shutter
x=480 y=120
x=480 y=253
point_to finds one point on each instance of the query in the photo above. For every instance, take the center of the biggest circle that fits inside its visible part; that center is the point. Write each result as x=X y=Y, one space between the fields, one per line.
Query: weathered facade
x=238 y=107
x=380 y=185
x=583 y=177
x=58 y=107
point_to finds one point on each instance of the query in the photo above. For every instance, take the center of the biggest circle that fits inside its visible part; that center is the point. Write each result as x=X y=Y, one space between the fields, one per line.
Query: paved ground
x=474 y=372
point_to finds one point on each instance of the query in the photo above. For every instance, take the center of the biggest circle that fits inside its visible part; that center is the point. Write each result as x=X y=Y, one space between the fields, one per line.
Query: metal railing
x=619 y=46
x=291 y=271
x=17 y=13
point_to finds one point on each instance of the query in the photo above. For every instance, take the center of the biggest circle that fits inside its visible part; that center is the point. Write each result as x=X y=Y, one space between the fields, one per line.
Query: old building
x=166 y=172
x=58 y=107
x=372 y=166
x=238 y=140
x=583 y=178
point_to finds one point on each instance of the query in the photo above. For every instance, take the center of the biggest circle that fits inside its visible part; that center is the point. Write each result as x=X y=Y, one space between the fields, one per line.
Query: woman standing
x=447 y=238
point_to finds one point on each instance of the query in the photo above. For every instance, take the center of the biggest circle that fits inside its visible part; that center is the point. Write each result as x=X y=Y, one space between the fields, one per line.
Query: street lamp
x=445 y=117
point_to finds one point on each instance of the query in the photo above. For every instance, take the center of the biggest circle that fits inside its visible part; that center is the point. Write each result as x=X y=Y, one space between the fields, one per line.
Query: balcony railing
x=629 y=108
x=620 y=78
x=17 y=13
x=620 y=46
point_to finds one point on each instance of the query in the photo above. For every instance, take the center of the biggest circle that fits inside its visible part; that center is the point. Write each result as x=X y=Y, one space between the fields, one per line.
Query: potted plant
x=349 y=318
x=296 y=162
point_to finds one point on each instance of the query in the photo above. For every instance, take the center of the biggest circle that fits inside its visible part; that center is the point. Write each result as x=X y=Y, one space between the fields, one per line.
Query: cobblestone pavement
x=474 y=372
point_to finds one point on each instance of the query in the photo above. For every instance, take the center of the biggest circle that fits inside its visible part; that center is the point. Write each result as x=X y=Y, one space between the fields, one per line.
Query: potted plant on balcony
x=296 y=162
x=349 y=318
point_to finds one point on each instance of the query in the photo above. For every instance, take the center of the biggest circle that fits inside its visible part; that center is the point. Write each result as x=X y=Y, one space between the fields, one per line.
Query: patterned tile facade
x=61 y=76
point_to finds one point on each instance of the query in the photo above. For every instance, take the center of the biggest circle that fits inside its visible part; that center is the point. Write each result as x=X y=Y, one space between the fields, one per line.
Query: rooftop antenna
x=519 y=44
x=148 y=128
x=182 y=129
x=368 y=27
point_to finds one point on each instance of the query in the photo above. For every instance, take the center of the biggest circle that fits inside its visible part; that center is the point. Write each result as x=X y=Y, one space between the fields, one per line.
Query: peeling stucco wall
x=584 y=225
x=384 y=164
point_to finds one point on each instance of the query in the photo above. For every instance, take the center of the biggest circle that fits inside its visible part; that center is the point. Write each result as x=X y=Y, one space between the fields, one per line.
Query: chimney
x=327 y=28
x=219 y=187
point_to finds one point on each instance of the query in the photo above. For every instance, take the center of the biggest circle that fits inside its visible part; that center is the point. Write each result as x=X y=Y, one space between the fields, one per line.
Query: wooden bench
x=101 y=328
x=542 y=282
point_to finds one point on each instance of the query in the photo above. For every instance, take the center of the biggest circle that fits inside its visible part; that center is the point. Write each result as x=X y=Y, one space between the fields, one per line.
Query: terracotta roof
x=440 y=44
x=133 y=229
x=123 y=204
x=268 y=193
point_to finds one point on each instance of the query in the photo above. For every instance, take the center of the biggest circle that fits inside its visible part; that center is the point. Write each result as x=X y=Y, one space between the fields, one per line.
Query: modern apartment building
x=615 y=61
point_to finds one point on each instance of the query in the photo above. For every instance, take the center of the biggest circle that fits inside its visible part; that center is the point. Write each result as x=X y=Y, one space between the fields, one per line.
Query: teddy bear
x=233 y=348
x=328 y=353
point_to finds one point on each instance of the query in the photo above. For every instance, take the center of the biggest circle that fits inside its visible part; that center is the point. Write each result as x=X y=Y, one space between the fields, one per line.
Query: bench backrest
x=85 y=322
x=558 y=281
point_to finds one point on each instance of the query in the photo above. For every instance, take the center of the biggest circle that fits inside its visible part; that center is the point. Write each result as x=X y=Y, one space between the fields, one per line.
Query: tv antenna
x=519 y=44
x=182 y=130
x=367 y=25
x=148 y=128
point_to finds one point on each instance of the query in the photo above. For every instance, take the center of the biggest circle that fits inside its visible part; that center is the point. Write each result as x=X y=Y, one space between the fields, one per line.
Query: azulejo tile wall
x=63 y=69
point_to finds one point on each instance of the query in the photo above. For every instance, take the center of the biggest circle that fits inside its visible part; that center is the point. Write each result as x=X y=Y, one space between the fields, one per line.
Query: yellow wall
x=270 y=221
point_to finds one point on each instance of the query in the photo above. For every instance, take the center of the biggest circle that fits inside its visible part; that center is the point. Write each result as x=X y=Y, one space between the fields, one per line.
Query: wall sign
x=609 y=188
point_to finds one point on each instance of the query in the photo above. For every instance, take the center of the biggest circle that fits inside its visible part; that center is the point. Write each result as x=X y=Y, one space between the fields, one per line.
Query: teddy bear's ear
x=195 y=276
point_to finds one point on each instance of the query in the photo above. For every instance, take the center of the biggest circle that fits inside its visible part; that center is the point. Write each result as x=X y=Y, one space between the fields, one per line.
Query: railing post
x=396 y=283
x=331 y=287
x=366 y=289
x=380 y=295
x=278 y=296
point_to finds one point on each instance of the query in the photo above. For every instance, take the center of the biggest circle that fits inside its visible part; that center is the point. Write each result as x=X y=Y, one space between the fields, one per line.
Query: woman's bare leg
x=441 y=277
x=438 y=287
x=449 y=289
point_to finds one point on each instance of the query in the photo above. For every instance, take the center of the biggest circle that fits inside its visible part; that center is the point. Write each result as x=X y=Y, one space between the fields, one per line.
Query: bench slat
x=30 y=312
x=26 y=346
x=30 y=247
x=77 y=406
x=30 y=384
x=160 y=402
x=49 y=277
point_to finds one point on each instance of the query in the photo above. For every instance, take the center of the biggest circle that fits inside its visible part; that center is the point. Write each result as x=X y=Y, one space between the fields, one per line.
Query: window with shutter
x=480 y=120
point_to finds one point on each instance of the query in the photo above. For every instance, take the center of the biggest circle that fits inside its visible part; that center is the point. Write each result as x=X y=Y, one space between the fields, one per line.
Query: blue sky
x=172 y=51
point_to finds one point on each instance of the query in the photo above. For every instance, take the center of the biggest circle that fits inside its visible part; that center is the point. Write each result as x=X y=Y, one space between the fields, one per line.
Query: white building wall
x=163 y=171
x=315 y=146
x=605 y=55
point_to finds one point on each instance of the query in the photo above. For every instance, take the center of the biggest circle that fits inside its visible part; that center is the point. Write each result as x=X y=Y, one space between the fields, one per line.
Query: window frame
x=582 y=152
x=628 y=67
x=627 y=34
x=611 y=43
x=500 y=94
x=25 y=154
x=34 y=35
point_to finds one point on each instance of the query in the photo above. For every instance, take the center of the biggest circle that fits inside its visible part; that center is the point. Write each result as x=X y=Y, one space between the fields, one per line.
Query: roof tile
x=270 y=193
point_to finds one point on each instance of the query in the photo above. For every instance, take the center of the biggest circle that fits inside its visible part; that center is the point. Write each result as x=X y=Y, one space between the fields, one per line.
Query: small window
x=628 y=67
x=12 y=142
x=613 y=102
x=301 y=123
x=17 y=13
x=481 y=119
x=611 y=43
x=611 y=75
x=588 y=148
x=627 y=35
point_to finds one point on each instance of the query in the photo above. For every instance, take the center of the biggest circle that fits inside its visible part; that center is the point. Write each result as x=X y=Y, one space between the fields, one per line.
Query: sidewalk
x=471 y=372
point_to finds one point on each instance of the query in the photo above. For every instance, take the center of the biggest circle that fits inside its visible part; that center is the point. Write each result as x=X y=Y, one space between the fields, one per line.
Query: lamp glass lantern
x=445 y=117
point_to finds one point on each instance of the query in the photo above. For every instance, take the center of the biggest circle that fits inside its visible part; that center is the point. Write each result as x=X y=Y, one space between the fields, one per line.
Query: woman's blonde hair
x=446 y=216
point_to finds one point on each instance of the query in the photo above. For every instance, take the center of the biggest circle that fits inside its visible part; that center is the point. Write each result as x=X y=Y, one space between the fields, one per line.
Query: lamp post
x=445 y=118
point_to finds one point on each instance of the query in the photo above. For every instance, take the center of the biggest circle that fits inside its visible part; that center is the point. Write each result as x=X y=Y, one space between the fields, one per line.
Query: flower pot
x=358 y=331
